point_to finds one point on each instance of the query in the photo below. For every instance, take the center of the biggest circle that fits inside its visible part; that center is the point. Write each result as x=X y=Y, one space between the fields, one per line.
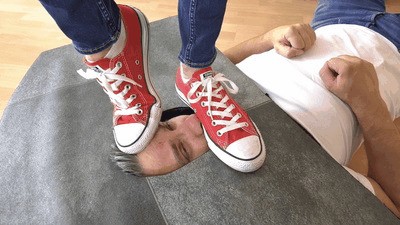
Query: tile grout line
x=156 y=199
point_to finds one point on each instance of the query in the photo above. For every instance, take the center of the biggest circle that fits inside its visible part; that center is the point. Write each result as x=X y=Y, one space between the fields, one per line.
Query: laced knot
x=110 y=80
x=216 y=102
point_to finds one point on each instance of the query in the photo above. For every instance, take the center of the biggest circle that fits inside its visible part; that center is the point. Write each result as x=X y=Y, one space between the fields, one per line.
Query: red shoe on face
x=125 y=79
x=229 y=131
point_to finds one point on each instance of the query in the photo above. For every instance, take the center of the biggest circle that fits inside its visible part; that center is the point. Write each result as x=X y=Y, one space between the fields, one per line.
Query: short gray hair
x=129 y=163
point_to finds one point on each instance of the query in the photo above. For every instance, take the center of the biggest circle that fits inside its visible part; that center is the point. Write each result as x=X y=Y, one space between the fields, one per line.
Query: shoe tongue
x=102 y=64
x=203 y=74
x=206 y=75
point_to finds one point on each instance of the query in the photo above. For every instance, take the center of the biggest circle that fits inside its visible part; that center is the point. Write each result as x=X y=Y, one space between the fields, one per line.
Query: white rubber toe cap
x=245 y=148
x=127 y=134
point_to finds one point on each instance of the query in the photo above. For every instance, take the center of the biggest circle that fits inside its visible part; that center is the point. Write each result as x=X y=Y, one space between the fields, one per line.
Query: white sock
x=184 y=79
x=90 y=61
x=118 y=46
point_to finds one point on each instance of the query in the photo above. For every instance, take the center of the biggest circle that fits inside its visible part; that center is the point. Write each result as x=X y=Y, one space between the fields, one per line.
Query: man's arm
x=289 y=41
x=355 y=82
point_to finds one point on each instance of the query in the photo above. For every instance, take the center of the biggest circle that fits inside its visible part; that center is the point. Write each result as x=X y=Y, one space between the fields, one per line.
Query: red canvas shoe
x=125 y=79
x=229 y=131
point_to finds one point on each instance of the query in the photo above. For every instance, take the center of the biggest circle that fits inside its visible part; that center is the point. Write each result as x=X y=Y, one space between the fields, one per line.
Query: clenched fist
x=354 y=81
x=292 y=40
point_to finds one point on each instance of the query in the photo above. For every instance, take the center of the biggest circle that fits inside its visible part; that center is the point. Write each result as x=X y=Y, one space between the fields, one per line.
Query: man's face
x=177 y=142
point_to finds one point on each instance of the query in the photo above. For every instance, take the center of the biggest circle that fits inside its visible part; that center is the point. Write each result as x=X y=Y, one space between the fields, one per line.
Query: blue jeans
x=200 y=22
x=367 y=13
x=94 y=25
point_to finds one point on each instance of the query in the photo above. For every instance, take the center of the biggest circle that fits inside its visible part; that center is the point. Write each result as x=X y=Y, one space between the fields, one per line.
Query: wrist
x=265 y=42
x=372 y=114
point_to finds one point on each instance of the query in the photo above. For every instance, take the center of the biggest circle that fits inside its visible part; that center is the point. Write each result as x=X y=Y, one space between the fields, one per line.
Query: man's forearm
x=289 y=41
x=247 y=48
x=382 y=141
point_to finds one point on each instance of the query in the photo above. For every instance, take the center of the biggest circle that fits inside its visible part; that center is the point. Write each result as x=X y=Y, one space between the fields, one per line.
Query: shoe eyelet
x=197 y=94
x=137 y=62
x=127 y=87
x=140 y=112
x=124 y=75
x=119 y=64
x=239 y=115
x=138 y=105
x=209 y=113
x=232 y=105
x=219 y=133
x=133 y=96
x=203 y=104
x=246 y=124
x=139 y=77
x=213 y=123
x=191 y=85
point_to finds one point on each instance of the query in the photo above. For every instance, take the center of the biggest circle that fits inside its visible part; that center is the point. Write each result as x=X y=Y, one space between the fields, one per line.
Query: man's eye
x=180 y=154
x=184 y=152
x=168 y=125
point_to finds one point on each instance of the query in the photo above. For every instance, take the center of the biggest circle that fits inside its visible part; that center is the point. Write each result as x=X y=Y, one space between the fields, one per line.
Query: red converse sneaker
x=125 y=79
x=229 y=131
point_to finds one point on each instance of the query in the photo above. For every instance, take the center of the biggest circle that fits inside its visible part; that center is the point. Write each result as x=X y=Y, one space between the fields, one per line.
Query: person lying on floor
x=342 y=87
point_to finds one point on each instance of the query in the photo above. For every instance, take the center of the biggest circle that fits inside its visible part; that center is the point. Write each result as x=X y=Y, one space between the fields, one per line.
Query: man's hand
x=354 y=81
x=289 y=41
x=292 y=40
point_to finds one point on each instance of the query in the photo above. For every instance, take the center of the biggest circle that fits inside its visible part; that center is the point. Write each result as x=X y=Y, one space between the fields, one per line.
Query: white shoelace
x=110 y=81
x=221 y=108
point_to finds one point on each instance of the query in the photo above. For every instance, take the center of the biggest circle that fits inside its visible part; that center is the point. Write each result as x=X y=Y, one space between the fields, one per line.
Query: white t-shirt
x=295 y=84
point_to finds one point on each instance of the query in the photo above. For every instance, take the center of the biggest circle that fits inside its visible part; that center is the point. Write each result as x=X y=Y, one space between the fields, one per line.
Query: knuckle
x=348 y=67
x=358 y=61
x=291 y=29
x=368 y=64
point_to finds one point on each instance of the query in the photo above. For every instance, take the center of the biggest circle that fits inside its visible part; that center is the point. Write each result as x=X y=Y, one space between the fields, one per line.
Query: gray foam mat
x=55 y=169
x=299 y=184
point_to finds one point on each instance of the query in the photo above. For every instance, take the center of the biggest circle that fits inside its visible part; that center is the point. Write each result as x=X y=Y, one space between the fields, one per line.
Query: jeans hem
x=100 y=47
x=198 y=65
